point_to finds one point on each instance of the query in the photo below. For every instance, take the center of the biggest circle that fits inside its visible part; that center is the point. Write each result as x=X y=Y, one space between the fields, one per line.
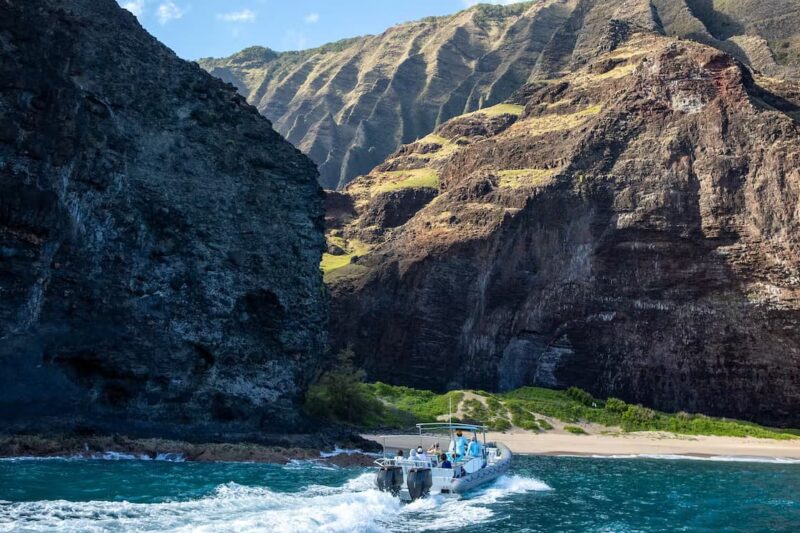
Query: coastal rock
x=159 y=241
x=632 y=230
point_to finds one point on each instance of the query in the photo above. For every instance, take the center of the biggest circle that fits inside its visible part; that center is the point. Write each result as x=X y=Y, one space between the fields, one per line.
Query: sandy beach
x=624 y=444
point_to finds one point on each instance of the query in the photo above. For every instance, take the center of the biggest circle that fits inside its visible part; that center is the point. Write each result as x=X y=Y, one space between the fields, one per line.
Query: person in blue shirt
x=474 y=449
x=445 y=462
x=458 y=446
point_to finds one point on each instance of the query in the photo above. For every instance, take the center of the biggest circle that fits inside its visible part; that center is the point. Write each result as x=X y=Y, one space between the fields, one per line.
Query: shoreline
x=653 y=445
x=118 y=447
x=626 y=445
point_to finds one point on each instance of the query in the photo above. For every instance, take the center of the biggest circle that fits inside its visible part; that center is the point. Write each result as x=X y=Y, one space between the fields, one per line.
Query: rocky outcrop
x=630 y=228
x=763 y=35
x=350 y=104
x=159 y=242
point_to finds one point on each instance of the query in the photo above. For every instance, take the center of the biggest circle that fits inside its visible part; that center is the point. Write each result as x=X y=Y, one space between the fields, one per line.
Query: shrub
x=615 y=405
x=494 y=405
x=382 y=389
x=339 y=394
x=638 y=417
x=580 y=396
x=522 y=418
x=476 y=410
x=544 y=424
x=499 y=424
x=575 y=430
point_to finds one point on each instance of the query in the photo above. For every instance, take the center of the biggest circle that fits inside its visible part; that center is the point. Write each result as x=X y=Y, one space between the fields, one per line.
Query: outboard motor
x=419 y=482
x=390 y=479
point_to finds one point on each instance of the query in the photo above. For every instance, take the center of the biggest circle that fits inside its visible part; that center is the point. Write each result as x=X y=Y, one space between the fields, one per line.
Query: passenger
x=399 y=456
x=445 y=462
x=458 y=446
x=435 y=450
x=421 y=455
x=412 y=454
x=474 y=449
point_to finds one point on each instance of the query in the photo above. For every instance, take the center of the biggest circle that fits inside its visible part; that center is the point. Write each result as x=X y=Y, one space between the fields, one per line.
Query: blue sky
x=202 y=28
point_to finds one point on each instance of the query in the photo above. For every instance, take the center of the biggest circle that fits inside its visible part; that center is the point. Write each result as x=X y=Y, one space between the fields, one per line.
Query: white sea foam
x=338 y=451
x=354 y=506
x=104 y=456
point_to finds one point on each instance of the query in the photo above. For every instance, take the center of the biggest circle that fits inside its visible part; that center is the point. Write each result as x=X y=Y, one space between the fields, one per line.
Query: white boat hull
x=464 y=477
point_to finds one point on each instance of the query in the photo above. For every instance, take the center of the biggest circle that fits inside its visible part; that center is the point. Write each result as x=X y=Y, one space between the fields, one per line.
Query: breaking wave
x=104 y=456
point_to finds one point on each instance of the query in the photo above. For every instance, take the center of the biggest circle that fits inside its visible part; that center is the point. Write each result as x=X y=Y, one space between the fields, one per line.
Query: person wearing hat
x=421 y=455
x=458 y=446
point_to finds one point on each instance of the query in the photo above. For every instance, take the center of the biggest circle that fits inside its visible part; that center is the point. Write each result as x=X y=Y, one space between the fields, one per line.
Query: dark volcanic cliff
x=159 y=242
x=630 y=228
x=348 y=105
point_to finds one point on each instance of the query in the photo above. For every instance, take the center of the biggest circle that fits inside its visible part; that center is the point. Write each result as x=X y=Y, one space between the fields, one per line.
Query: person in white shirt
x=421 y=455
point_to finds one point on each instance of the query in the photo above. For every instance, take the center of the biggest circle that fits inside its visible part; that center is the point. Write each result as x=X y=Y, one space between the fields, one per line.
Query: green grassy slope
x=536 y=409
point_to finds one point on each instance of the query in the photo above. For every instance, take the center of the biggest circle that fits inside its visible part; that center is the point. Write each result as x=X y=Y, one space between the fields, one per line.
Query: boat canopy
x=447 y=426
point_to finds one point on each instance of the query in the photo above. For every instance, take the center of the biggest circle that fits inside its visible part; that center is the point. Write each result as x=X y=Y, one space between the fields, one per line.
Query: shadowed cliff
x=159 y=242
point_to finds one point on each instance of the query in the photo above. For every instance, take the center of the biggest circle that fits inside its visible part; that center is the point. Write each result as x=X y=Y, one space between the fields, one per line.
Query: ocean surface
x=540 y=494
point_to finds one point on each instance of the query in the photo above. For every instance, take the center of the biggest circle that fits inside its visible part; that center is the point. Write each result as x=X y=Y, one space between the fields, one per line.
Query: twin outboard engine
x=419 y=482
x=390 y=479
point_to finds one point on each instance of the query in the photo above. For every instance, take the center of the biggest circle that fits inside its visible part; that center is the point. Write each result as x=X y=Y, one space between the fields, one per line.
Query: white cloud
x=470 y=3
x=311 y=18
x=245 y=15
x=168 y=11
x=136 y=7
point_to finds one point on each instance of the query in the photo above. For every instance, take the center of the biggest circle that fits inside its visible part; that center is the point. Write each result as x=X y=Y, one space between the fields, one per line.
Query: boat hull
x=443 y=481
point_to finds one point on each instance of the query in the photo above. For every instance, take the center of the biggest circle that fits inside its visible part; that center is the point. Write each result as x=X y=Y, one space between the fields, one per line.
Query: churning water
x=540 y=494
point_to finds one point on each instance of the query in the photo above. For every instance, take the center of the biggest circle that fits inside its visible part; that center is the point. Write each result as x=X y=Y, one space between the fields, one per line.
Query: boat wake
x=354 y=505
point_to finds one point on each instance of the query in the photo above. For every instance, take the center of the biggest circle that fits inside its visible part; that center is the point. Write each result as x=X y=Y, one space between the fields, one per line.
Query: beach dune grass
x=525 y=408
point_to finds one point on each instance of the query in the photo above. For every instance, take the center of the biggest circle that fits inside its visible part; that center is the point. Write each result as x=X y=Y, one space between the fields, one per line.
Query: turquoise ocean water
x=540 y=494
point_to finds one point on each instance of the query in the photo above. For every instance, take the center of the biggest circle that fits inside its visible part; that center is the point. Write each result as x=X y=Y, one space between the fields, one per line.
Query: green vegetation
x=617 y=72
x=448 y=147
x=514 y=179
x=333 y=263
x=581 y=396
x=351 y=271
x=525 y=408
x=575 y=430
x=556 y=122
x=424 y=405
x=500 y=109
x=418 y=178
x=339 y=395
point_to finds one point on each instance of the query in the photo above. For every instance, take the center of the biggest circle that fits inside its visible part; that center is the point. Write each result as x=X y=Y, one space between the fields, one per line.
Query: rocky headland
x=159 y=241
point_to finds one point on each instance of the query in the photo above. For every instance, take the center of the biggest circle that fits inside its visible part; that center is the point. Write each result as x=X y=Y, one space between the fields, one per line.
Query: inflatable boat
x=455 y=471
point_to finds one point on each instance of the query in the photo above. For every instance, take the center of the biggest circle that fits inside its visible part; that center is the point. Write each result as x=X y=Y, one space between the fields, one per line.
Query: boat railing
x=430 y=462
